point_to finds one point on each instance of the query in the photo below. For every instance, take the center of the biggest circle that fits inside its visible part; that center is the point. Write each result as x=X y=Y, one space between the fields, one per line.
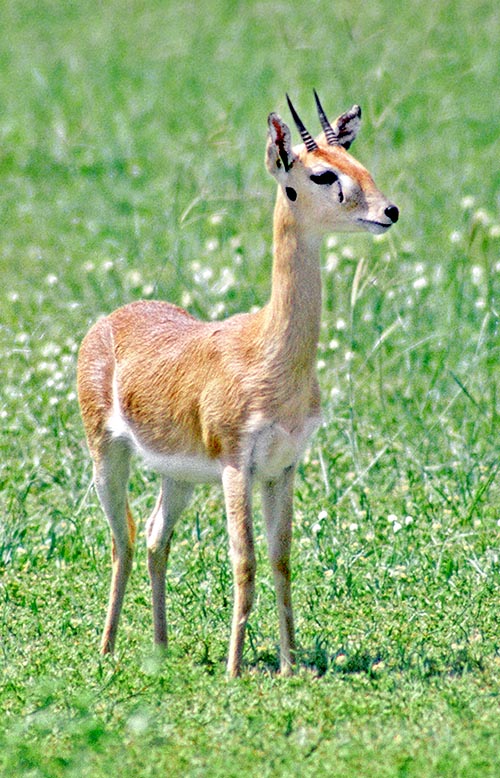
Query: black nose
x=392 y=213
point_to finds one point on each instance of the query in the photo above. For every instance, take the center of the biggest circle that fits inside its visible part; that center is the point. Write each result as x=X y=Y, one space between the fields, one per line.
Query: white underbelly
x=193 y=468
x=267 y=449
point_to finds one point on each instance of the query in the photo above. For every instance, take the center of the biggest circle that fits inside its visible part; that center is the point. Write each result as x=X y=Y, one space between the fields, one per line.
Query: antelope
x=235 y=400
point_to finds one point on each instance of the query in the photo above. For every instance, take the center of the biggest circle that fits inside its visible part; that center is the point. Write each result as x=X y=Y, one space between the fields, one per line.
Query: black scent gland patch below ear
x=291 y=193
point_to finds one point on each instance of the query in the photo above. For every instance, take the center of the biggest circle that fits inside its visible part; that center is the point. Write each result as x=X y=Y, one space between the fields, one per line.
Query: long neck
x=293 y=312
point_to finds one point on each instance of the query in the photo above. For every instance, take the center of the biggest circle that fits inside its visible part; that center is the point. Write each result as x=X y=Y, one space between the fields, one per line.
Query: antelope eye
x=325 y=178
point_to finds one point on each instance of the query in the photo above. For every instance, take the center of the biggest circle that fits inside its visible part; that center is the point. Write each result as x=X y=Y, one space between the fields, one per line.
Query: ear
x=347 y=126
x=279 y=156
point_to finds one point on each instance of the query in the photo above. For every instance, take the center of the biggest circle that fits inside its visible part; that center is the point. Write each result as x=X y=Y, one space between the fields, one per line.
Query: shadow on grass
x=373 y=664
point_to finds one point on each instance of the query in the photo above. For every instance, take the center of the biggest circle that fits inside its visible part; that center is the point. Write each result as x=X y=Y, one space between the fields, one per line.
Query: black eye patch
x=327 y=177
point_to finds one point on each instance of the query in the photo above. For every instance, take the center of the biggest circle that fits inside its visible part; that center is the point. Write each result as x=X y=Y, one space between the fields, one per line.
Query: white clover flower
x=186 y=299
x=322 y=515
x=481 y=216
x=333 y=344
x=468 y=202
x=51 y=279
x=341 y=324
x=396 y=526
x=332 y=261
x=477 y=274
x=211 y=245
x=216 y=218
x=348 y=252
x=218 y=310
x=420 y=283
x=316 y=528
x=134 y=278
x=353 y=527
x=391 y=518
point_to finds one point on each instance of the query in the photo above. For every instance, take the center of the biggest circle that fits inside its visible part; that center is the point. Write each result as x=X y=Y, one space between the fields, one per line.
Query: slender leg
x=111 y=473
x=237 y=493
x=173 y=498
x=277 y=504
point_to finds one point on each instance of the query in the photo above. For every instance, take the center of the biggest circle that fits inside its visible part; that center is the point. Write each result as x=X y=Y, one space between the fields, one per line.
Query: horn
x=330 y=133
x=308 y=139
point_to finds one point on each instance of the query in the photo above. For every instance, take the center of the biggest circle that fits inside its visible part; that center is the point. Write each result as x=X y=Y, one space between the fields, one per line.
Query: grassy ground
x=132 y=139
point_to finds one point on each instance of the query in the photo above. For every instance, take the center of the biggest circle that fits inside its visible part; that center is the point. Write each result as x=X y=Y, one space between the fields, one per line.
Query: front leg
x=277 y=505
x=237 y=493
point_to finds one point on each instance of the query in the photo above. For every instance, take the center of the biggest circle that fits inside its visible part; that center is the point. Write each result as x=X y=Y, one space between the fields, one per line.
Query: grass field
x=132 y=138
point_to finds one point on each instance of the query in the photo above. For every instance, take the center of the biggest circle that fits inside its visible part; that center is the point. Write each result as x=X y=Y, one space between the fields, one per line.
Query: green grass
x=131 y=165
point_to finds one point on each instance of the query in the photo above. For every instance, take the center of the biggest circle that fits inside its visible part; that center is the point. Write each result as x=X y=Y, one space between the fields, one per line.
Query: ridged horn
x=306 y=136
x=330 y=134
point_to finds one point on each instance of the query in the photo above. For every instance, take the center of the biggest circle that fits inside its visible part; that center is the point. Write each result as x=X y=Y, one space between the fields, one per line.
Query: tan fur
x=237 y=398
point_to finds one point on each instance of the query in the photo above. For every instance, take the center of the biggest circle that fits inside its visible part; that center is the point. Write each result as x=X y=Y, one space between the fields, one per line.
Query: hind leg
x=173 y=498
x=111 y=471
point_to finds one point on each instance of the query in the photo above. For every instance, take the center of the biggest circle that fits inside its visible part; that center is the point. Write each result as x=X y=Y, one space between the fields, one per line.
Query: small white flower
x=212 y=244
x=467 y=202
x=334 y=344
x=477 y=274
x=420 y=283
x=322 y=515
x=332 y=261
x=408 y=520
x=353 y=527
x=51 y=279
x=391 y=518
x=186 y=299
x=495 y=231
x=455 y=236
x=481 y=216
x=341 y=324
x=134 y=278
x=316 y=528
x=396 y=526
x=216 y=218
